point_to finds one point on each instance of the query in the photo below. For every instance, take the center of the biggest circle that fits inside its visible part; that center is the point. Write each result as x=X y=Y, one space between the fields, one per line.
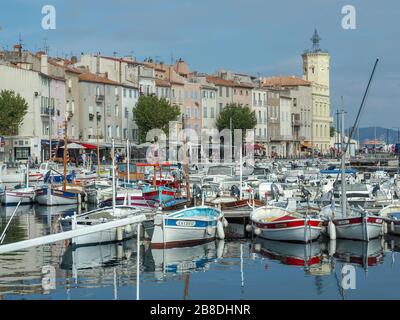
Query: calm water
x=231 y=269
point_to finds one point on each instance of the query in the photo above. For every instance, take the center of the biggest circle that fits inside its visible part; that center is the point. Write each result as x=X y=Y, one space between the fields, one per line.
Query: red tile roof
x=220 y=82
x=91 y=77
x=162 y=83
x=284 y=81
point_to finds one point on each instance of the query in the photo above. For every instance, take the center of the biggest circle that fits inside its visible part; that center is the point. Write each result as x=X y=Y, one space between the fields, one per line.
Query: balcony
x=273 y=120
x=44 y=111
x=99 y=98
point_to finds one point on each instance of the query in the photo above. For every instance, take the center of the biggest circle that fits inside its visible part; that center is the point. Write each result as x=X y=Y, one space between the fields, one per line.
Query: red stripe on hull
x=177 y=244
x=289 y=224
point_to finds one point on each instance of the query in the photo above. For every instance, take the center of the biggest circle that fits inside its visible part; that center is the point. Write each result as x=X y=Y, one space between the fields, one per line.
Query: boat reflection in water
x=54 y=211
x=361 y=253
x=182 y=259
x=293 y=254
x=98 y=256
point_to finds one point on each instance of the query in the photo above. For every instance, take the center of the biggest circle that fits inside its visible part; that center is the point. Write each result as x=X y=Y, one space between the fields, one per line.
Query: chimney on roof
x=44 y=67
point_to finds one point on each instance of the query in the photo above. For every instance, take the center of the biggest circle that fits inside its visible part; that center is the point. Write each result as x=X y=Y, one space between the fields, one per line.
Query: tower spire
x=315 y=39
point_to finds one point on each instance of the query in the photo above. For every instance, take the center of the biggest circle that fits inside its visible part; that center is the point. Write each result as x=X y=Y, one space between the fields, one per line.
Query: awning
x=88 y=146
x=73 y=146
x=306 y=144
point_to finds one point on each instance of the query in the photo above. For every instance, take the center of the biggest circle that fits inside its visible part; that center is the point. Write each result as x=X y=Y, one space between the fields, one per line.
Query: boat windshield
x=219 y=170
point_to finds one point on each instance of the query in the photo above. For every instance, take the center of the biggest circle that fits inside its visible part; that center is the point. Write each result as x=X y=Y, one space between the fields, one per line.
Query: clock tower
x=316 y=64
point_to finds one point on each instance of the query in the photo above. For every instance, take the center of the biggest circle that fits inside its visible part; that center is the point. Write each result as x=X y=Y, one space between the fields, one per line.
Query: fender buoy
x=220 y=230
x=209 y=230
x=249 y=228
x=332 y=230
x=225 y=222
x=257 y=231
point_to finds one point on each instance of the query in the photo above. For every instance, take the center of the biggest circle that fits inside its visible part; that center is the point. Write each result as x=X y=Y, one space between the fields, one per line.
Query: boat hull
x=13 y=197
x=357 y=229
x=179 y=230
x=50 y=197
x=291 y=230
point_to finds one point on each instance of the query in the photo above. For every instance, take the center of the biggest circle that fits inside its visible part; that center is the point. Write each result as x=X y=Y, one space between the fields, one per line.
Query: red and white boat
x=353 y=225
x=281 y=224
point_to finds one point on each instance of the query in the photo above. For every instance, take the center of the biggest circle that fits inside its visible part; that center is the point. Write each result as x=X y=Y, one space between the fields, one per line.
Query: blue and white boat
x=188 y=227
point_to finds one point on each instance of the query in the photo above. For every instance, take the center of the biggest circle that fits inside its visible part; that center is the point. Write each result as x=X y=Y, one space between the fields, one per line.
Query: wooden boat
x=281 y=224
x=102 y=215
x=14 y=196
x=391 y=216
x=50 y=196
x=355 y=225
x=187 y=227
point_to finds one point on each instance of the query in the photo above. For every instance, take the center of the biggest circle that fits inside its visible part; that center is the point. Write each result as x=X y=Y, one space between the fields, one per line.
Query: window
x=241 y=92
x=125 y=133
x=109 y=130
x=73 y=130
x=212 y=112
x=234 y=91
x=220 y=91
x=118 y=133
x=188 y=112
x=227 y=92
x=22 y=153
x=220 y=107
x=116 y=110
x=126 y=113
x=204 y=112
x=130 y=93
x=97 y=91
x=196 y=112
x=124 y=92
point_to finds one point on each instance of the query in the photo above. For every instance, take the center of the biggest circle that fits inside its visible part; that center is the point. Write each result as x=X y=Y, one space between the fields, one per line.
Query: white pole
x=20 y=245
x=27 y=174
x=138 y=262
x=241 y=266
x=115 y=285
x=343 y=185
x=3 y=235
x=241 y=170
x=113 y=176
x=127 y=159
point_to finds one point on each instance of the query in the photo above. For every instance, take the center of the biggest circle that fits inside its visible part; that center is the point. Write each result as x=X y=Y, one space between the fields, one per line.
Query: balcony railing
x=44 y=111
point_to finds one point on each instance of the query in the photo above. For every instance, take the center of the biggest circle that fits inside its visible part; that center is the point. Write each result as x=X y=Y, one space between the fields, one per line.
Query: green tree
x=242 y=117
x=332 y=132
x=13 y=109
x=154 y=113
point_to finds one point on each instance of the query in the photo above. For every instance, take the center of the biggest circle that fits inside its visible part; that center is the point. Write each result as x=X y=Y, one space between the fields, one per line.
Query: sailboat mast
x=113 y=175
x=127 y=160
x=98 y=148
x=65 y=156
x=343 y=184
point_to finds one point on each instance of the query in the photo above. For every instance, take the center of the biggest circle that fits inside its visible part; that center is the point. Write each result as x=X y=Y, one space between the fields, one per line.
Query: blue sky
x=262 y=37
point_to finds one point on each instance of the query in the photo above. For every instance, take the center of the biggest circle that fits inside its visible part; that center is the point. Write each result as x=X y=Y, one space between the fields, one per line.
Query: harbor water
x=222 y=269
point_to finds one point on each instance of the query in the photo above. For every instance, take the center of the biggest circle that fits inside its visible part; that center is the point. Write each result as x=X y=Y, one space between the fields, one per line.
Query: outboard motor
x=375 y=190
x=275 y=191
x=306 y=193
x=235 y=191
x=197 y=191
